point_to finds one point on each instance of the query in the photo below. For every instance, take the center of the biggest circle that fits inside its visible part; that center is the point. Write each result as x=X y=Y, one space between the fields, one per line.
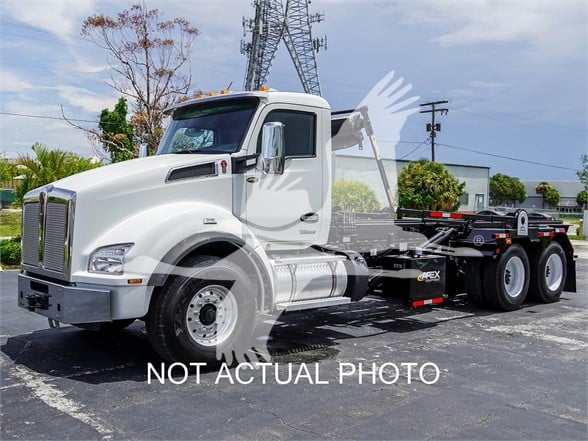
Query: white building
x=568 y=191
x=365 y=169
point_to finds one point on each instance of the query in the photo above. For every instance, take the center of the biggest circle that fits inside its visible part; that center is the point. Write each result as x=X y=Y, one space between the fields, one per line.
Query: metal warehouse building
x=568 y=190
x=365 y=169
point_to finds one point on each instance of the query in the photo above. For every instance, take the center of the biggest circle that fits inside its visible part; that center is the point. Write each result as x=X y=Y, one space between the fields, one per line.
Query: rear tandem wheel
x=506 y=279
x=549 y=272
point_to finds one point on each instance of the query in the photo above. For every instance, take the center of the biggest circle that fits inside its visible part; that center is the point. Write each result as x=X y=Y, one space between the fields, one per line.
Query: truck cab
x=272 y=202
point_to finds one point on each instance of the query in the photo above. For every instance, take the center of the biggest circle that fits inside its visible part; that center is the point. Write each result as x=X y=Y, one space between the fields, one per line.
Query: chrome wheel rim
x=211 y=315
x=514 y=277
x=553 y=272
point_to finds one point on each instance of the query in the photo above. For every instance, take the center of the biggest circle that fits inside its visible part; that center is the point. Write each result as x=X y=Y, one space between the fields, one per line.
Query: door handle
x=252 y=179
x=310 y=218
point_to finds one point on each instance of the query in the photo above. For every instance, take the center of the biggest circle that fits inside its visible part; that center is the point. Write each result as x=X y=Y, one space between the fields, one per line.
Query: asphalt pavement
x=517 y=375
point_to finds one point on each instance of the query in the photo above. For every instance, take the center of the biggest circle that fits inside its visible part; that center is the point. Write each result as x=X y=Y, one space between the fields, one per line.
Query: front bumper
x=63 y=303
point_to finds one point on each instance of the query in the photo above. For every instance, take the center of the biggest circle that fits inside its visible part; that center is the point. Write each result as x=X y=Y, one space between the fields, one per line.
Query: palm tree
x=48 y=166
x=543 y=188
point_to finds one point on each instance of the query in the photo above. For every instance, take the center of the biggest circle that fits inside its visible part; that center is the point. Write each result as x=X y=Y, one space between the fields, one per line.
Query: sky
x=514 y=72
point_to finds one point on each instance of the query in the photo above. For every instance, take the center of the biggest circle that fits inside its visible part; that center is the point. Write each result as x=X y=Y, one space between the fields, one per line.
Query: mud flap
x=570 y=285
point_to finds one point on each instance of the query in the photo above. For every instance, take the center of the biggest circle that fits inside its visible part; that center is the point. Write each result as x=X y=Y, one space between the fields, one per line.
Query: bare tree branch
x=149 y=58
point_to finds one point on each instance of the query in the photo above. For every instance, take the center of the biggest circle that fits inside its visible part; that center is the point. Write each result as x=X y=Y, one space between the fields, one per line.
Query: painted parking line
x=42 y=388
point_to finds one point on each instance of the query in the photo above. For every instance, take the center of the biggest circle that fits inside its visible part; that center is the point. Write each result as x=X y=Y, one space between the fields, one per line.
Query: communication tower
x=274 y=22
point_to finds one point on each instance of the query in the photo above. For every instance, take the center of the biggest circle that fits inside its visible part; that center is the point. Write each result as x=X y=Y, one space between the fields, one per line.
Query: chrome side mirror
x=143 y=150
x=273 y=150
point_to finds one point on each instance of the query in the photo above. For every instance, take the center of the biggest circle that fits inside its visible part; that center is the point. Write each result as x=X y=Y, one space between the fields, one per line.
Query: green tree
x=150 y=61
x=583 y=174
x=551 y=196
x=582 y=198
x=549 y=193
x=542 y=187
x=428 y=185
x=48 y=166
x=7 y=170
x=354 y=196
x=116 y=133
x=505 y=189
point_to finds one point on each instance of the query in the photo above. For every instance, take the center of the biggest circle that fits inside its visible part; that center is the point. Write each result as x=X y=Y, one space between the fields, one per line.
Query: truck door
x=286 y=208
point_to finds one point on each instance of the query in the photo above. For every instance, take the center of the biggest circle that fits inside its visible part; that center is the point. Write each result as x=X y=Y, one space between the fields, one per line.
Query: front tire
x=549 y=271
x=506 y=279
x=206 y=314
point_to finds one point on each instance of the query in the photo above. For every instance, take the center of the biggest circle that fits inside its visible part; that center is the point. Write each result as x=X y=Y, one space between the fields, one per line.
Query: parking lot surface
x=517 y=375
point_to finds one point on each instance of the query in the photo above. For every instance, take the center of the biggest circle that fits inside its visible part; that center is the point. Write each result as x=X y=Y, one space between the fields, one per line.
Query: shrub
x=354 y=196
x=10 y=251
x=425 y=185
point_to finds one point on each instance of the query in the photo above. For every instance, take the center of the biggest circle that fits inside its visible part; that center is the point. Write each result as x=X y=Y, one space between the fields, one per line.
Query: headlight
x=110 y=259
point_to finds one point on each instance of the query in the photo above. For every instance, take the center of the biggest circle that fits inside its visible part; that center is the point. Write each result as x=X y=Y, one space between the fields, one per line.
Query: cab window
x=299 y=132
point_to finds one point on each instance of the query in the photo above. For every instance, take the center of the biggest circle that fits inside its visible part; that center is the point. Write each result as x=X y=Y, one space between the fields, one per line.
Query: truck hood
x=112 y=196
x=142 y=173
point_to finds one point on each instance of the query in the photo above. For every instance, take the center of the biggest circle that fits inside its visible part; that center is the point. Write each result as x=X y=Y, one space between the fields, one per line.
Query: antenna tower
x=273 y=22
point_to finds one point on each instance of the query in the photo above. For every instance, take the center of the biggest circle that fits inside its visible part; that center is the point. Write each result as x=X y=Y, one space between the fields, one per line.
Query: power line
x=506 y=157
x=420 y=144
x=399 y=142
x=414 y=150
x=30 y=37
x=26 y=115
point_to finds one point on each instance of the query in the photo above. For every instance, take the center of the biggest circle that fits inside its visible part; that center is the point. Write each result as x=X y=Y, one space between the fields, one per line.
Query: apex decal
x=429 y=276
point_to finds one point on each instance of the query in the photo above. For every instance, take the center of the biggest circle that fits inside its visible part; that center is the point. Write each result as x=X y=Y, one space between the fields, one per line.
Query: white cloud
x=84 y=98
x=31 y=108
x=547 y=24
x=61 y=18
x=487 y=85
x=13 y=83
x=20 y=133
x=206 y=14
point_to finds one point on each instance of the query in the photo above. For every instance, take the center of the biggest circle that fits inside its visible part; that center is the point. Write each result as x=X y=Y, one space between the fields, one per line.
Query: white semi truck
x=232 y=218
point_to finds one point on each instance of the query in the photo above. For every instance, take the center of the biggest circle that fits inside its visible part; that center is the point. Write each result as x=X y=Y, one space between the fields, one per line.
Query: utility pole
x=432 y=126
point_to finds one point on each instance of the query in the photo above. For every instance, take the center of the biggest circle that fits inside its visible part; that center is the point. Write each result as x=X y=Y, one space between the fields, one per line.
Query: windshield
x=208 y=127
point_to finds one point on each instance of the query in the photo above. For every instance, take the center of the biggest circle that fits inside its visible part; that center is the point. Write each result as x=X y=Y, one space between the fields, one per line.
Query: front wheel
x=549 y=274
x=206 y=315
x=507 y=279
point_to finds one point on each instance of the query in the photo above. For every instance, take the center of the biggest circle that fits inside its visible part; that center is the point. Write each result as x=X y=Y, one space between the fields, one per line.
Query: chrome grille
x=30 y=234
x=55 y=232
x=47 y=229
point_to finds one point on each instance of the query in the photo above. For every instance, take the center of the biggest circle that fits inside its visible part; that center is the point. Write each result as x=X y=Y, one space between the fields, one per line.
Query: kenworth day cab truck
x=232 y=218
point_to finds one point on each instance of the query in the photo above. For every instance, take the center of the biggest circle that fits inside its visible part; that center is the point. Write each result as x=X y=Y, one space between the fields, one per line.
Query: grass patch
x=10 y=223
x=570 y=220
